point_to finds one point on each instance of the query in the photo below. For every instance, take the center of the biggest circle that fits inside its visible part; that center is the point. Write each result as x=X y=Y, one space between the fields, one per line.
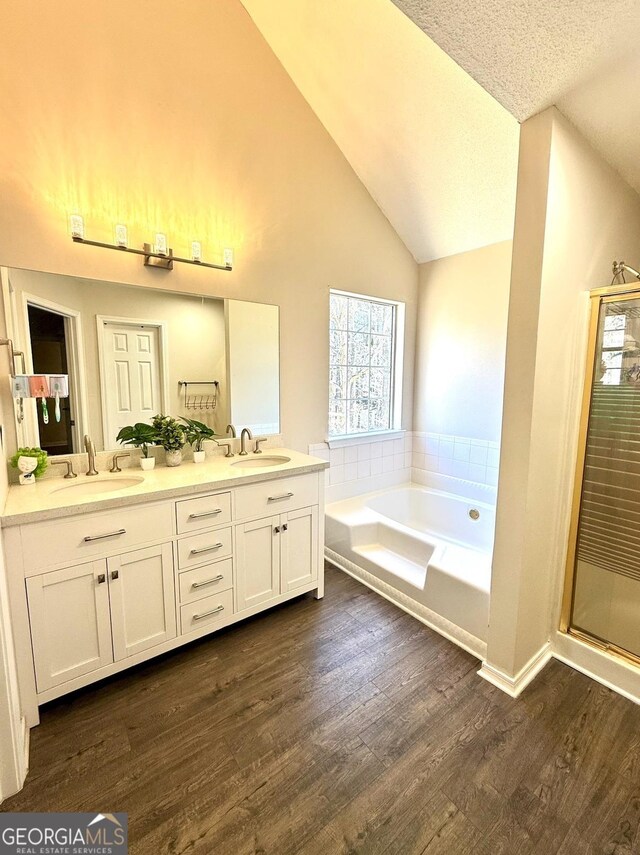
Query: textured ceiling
x=576 y=54
x=436 y=152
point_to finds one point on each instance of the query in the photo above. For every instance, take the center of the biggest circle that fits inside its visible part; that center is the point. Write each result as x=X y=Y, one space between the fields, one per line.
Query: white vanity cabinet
x=276 y=555
x=93 y=593
x=70 y=623
x=91 y=615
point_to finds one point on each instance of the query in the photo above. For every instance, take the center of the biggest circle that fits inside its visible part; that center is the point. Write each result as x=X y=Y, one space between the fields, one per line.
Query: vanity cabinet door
x=70 y=625
x=142 y=593
x=299 y=548
x=257 y=562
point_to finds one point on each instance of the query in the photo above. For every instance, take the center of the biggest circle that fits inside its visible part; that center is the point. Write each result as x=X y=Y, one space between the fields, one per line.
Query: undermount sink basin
x=261 y=462
x=100 y=485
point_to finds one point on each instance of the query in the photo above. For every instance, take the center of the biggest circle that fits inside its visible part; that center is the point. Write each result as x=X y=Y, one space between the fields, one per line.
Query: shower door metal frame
x=598 y=298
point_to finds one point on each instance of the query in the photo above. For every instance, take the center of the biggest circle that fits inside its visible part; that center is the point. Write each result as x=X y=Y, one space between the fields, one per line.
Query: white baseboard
x=605 y=668
x=514 y=685
x=475 y=646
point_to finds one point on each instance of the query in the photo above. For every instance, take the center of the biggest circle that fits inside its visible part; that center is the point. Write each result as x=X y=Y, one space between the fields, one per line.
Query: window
x=612 y=348
x=365 y=364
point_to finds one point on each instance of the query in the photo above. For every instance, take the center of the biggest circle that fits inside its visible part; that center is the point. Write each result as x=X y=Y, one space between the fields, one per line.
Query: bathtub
x=425 y=550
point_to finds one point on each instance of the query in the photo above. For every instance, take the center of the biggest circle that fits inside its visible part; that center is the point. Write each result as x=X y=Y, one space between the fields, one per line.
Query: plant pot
x=173 y=458
x=147 y=463
x=198 y=456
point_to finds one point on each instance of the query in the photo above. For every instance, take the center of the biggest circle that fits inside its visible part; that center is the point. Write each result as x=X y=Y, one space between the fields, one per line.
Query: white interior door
x=131 y=360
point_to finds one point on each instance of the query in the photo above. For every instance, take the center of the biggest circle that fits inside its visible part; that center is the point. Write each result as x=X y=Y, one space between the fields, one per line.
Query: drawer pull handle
x=279 y=498
x=207 y=582
x=208 y=614
x=120 y=531
x=205 y=514
x=206 y=548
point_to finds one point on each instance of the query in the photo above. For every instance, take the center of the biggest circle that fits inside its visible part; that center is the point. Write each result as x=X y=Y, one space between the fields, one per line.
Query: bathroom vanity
x=115 y=569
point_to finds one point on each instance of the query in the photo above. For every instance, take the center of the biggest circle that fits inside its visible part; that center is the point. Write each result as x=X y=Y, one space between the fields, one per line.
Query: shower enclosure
x=602 y=591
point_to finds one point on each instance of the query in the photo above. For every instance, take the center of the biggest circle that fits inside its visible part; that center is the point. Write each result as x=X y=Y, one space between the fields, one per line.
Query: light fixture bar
x=149 y=254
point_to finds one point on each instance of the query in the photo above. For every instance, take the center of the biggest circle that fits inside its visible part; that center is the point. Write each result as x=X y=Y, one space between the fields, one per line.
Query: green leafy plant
x=196 y=433
x=170 y=433
x=140 y=435
x=38 y=453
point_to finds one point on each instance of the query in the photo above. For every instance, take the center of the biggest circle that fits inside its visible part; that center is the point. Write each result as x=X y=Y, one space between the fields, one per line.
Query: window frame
x=396 y=372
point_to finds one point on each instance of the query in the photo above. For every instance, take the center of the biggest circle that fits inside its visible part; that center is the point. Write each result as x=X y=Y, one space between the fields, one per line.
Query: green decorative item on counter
x=170 y=433
x=140 y=435
x=171 y=436
x=197 y=433
x=37 y=453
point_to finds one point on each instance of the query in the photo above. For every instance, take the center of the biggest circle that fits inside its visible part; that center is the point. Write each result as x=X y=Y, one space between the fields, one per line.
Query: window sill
x=362 y=438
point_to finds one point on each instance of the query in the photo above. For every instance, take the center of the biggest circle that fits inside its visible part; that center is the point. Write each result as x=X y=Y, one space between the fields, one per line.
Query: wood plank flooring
x=342 y=726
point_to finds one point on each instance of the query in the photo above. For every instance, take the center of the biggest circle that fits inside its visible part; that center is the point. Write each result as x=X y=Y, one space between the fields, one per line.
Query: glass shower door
x=606 y=590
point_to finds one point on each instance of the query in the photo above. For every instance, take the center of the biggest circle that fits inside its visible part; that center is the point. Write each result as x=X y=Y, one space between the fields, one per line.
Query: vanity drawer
x=209 y=613
x=206 y=581
x=203 y=548
x=77 y=539
x=203 y=512
x=273 y=497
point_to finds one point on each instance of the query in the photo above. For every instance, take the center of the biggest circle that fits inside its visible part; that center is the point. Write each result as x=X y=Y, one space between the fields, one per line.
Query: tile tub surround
x=368 y=464
x=45 y=500
x=461 y=457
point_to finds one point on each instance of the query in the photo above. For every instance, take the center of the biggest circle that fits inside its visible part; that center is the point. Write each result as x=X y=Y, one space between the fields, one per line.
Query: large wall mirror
x=131 y=352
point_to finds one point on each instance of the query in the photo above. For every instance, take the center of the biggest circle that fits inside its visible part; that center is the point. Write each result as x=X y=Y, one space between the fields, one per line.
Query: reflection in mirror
x=131 y=352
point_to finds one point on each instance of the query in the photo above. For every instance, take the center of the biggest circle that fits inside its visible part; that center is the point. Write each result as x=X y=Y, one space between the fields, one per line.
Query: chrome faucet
x=231 y=431
x=91 y=453
x=246 y=434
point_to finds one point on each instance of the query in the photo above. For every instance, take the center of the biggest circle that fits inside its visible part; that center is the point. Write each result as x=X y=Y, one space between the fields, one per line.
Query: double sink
x=114 y=483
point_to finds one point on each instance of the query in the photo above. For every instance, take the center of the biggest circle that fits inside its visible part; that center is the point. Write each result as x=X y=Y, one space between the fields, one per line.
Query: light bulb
x=77 y=226
x=161 y=244
x=121 y=236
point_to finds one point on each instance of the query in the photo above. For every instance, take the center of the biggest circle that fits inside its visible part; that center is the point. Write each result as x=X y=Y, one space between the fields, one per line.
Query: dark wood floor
x=342 y=726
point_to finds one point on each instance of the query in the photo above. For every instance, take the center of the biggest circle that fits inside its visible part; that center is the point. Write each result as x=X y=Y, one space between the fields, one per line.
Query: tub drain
x=474 y=514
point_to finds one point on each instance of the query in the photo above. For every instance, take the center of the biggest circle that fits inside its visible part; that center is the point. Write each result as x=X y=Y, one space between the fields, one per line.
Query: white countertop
x=48 y=499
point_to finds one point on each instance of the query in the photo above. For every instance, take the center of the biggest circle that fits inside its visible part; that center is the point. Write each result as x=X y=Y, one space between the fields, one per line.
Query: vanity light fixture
x=157 y=255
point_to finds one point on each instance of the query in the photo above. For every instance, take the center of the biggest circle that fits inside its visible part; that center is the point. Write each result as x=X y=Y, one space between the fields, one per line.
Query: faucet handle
x=224 y=443
x=69 y=464
x=258 y=440
x=118 y=456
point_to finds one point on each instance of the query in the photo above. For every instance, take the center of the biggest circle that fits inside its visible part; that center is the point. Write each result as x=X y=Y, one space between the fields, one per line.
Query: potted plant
x=196 y=433
x=171 y=436
x=32 y=463
x=140 y=435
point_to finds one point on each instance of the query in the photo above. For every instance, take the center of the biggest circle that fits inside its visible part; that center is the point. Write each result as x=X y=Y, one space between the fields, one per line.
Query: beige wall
x=188 y=124
x=565 y=240
x=195 y=334
x=461 y=339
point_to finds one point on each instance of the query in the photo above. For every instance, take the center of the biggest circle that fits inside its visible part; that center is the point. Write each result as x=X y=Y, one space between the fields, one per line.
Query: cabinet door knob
x=115 y=574
x=101 y=578
x=285 y=527
x=276 y=529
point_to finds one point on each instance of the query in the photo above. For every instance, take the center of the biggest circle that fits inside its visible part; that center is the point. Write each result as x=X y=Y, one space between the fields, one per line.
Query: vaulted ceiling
x=581 y=55
x=435 y=150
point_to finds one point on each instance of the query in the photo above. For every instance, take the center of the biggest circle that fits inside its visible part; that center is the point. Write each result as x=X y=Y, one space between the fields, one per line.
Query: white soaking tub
x=424 y=549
